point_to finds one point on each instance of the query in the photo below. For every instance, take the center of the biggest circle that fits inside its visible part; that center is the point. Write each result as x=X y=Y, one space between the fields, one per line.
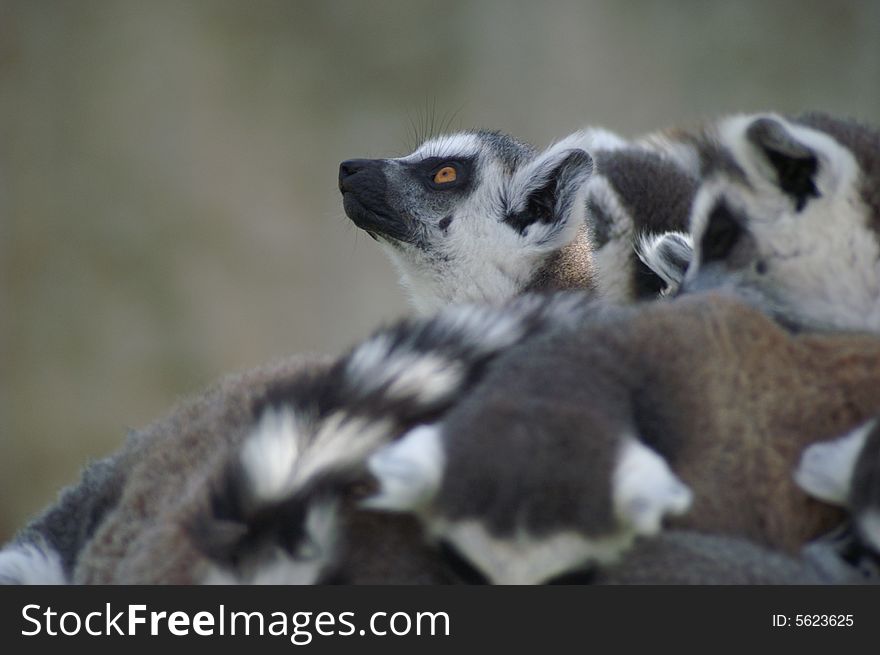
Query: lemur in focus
x=788 y=217
x=540 y=243
x=482 y=216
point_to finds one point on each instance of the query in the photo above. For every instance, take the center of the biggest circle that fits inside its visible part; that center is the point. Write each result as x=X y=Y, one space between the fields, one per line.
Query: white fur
x=463 y=144
x=271 y=453
x=527 y=179
x=823 y=262
x=526 y=559
x=31 y=564
x=285 y=452
x=645 y=489
x=427 y=378
x=597 y=138
x=650 y=249
x=669 y=146
x=278 y=567
x=424 y=377
x=487 y=329
x=613 y=261
x=825 y=470
x=481 y=258
x=409 y=470
x=367 y=358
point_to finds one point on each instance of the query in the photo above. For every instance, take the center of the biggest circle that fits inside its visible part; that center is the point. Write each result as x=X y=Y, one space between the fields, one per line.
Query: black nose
x=349 y=168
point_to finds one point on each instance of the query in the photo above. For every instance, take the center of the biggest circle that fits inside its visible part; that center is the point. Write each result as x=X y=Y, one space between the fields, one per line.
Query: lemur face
x=792 y=221
x=472 y=216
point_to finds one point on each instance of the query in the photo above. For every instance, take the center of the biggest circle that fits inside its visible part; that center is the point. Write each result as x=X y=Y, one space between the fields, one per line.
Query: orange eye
x=445 y=175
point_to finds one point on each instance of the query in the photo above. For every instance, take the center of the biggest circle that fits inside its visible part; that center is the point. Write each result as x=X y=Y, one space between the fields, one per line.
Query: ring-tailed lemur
x=270 y=483
x=789 y=187
x=562 y=454
x=154 y=464
x=530 y=473
x=46 y=550
x=790 y=219
x=543 y=234
x=306 y=437
x=573 y=438
x=482 y=216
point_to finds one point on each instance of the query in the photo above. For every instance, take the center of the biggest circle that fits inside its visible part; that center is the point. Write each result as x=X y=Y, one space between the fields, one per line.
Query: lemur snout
x=348 y=169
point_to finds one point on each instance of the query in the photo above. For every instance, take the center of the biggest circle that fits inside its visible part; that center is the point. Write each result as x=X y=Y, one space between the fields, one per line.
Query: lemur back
x=701 y=393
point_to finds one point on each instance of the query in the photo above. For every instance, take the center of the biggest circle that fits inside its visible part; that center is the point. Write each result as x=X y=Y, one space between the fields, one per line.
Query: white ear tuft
x=409 y=470
x=667 y=254
x=826 y=469
x=546 y=197
x=646 y=489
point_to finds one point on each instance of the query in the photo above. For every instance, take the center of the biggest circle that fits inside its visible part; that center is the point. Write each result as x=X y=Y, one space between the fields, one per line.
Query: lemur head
x=790 y=218
x=473 y=216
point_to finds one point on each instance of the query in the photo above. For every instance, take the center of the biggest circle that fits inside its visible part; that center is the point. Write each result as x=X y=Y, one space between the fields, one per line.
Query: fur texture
x=258 y=481
x=515 y=219
x=727 y=397
x=846 y=472
x=792 y=223
x=165 y=467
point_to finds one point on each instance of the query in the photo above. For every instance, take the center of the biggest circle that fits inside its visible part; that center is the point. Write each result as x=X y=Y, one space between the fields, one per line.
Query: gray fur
x=864 y=142
x=187 y=496
x=655 y=194
x=163 y=467
x=541 y=426
x=722 y=393
x=808 y=215
x=691 y=558
x=66 y=526
x=668 y=255
x=635 y=194
x=477 y=240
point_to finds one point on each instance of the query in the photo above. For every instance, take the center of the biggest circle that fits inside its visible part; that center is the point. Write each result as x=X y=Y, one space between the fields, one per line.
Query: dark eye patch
x=723 y=232
x=425 y=170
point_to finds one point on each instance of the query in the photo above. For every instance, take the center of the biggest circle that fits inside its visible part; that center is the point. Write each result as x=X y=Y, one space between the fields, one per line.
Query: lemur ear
x=645 y=489
x=668 y=255
x=794 y=163
x=545 y=199
x=409 y=471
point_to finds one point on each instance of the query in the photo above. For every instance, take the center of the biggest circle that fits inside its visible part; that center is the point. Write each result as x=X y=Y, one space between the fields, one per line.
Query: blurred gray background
x=168 y=202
